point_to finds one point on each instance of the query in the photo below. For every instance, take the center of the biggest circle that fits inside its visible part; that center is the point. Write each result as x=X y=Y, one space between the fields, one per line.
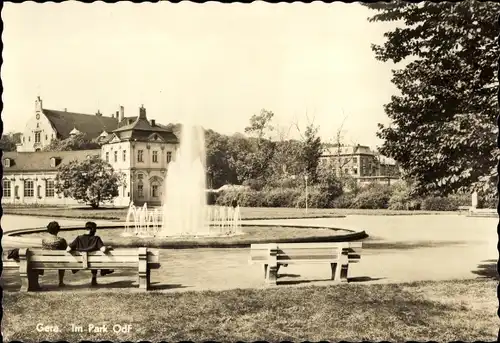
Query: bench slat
x=79 y=266
x=11 y=264
x=329 y=257
x=114 y=252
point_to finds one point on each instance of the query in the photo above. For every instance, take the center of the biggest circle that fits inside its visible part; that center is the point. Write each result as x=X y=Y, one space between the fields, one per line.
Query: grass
x=421 y=311
x=252 y=234
x=255 y=213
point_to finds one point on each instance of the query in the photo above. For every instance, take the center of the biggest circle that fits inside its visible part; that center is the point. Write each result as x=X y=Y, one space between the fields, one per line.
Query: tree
x=312 y=149
x=330 y=186
x=286 y=158
x=91 y=181
x=8 y=141
x=74 y=142
x=219 y=169
x=442 y=129
x=262 y=153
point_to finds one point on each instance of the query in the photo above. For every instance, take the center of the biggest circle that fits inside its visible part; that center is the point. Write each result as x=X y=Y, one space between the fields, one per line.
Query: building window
x=154 y=191
x=23 y=140
x=107 y=156
x=46 y=137
x=355 y=159
x=6 y=162
x=116 y=156
x=29 y=138
x=16 y=191
x=29 y=188
x=124 y=155
x=140 y=176
x=140 y=155
x=155 y=156
x=37 y=137
x=169 y=156
x=6 y=189
x=49 y=188
x=140 y=190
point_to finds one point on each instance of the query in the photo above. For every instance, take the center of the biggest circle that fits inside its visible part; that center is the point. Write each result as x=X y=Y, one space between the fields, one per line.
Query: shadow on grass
x=408 y=245
x=156 y=286
x=487 y=269
x=349 y=280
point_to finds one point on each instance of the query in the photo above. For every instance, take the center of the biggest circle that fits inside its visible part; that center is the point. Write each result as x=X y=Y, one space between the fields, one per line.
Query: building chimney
x=153 y=122
x=122 y=114
x=116 y=116
x=142 y=113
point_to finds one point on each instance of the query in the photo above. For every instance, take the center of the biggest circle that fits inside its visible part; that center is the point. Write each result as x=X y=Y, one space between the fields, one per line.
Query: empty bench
x=32 y=260
x=338 y=255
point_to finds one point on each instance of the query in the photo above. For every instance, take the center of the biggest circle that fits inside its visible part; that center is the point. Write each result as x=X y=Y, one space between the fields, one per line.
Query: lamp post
x=305 y=178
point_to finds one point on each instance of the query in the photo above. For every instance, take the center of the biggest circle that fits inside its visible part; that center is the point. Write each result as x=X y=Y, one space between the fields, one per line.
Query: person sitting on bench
x=90 y=242
x=53 y=242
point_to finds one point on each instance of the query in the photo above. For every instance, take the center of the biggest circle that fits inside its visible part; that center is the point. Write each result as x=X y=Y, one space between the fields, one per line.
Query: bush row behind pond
x=392 y=197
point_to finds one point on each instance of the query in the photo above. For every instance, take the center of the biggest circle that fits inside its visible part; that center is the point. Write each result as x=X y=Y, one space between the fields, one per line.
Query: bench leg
x=343 y=273
x=145 y=280
x=335 y=271
x=272 y=275
x=29 y=281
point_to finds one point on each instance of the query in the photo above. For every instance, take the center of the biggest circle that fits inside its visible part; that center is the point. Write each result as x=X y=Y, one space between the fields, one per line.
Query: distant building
x=361 y=163
x=138 y=148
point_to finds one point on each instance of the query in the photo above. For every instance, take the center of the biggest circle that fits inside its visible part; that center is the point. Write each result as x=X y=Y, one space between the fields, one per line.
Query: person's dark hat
x=53 y=227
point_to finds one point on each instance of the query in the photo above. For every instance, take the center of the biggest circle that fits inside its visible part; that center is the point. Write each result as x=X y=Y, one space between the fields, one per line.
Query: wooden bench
x=274 y=255
x=31 y=260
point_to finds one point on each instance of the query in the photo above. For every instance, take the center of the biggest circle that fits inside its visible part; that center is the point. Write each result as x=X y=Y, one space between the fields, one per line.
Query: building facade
x=361 y=163
x=135 y=147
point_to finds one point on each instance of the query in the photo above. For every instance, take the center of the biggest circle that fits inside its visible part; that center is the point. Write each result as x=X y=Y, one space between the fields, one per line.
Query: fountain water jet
x=185 y=211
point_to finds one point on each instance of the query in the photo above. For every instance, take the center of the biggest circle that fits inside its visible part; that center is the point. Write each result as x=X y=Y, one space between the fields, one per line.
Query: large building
x=361 y=163
x=138 y=148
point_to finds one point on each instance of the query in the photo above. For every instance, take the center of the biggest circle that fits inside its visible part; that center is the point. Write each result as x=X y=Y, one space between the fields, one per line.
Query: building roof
x=141 y=129
x=90 y=124
x=333 y=150
x=40 y=160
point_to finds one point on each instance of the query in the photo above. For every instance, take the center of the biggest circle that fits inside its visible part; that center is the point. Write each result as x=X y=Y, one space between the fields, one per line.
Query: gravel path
x=400 y=249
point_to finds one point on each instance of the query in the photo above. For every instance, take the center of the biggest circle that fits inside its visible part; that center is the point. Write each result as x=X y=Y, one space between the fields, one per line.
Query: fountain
x=185 y=211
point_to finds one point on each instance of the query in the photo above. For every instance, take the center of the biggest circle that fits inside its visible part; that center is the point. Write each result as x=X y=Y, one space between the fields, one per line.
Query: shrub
x=487 y=202
x=460 y=199
x=255 y=184
x=401 y=198
x=330 y=188
x=212 y=197
x=434 y=203
x=281 y=197
x=315 y=199
x=373 y=196
x=344 y=201
x=225 y=198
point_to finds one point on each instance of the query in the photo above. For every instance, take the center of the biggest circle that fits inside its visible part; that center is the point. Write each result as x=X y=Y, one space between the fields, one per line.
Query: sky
x=215 y=64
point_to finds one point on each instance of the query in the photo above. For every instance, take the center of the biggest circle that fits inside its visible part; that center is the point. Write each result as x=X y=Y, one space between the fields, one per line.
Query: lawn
x=251 y=234
x=421 y=311
x=246 y=212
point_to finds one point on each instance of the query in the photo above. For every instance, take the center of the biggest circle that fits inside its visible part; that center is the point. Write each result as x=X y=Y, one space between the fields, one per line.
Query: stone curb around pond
x=13 y=237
